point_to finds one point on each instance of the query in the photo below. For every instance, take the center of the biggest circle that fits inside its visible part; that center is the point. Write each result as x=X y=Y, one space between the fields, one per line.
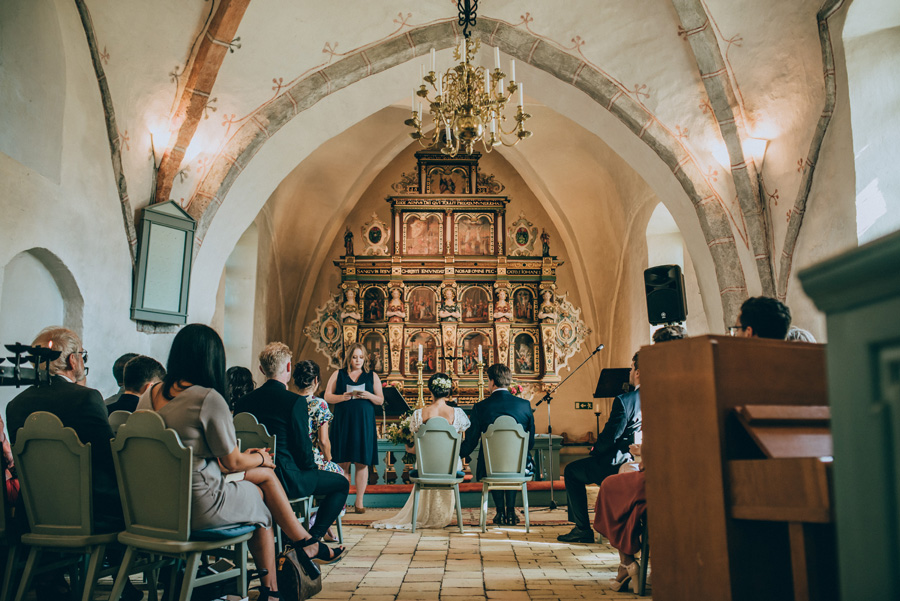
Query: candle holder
x=420 y=404
x=481 y=380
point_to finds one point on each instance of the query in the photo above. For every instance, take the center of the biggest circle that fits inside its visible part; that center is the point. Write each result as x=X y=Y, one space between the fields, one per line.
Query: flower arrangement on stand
x=400 y=433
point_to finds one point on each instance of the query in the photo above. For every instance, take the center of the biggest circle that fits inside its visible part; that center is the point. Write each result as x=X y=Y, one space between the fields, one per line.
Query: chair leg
x=525 y=505
x=482 y=520
x=459 y=517
x=11 y=558
x=28 y=574
x=645 y=559
x=90 y=575
x=241 y=580
x=192 y=562
x=340 y=532
x=152 y=581
x=415 y=514
x=122 y=575
x=279 y=542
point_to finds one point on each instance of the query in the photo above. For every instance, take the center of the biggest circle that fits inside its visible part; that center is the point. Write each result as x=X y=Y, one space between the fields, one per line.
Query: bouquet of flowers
x=400 y=432
x=516 y=389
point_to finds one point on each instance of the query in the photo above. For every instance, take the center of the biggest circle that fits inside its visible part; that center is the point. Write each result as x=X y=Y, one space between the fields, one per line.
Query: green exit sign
x=584 y=405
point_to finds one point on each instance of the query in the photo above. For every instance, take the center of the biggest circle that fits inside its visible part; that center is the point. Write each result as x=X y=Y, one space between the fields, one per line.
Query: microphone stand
x=548 y=397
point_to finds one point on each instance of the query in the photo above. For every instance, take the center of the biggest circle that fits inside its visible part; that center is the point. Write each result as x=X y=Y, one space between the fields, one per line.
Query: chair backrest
x=154 y=472
x=54 y=470
x=437 y=449
x=251 y=434
x=117 y=418
x=505 y=447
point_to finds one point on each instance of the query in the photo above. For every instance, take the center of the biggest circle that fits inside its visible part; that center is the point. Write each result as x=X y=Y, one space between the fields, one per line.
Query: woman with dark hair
x=190 y=400
x=436 y=507
x=306 y=378
x=355 y=391
x=239 y=383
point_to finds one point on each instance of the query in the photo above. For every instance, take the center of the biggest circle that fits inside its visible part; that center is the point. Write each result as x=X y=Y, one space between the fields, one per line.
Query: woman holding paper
x=354 y=391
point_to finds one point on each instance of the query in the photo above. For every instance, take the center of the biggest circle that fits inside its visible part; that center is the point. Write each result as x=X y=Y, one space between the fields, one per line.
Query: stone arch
x=524 y=46
x=73 y=301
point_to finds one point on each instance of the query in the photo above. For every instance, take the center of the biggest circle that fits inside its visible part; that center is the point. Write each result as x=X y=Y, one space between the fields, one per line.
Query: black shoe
x=512 y=518
x=500 y=518
x=131 y=592
x=577 y=535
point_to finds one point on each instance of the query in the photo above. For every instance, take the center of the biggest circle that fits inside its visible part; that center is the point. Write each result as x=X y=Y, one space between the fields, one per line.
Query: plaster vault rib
x=240 y=149
x=729 y=118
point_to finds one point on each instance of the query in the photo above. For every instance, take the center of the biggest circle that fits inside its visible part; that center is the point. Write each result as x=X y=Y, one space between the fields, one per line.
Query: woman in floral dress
x=306 y=378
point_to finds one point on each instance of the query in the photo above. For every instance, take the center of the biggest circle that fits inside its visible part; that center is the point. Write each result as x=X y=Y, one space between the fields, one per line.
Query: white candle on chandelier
x=440 y=83
x=512 y=69
x=432 y=59
x=493 y=126
x=480 y=356
x=420 y=353
x=522 y=95
x=487 y=81
x=421 y=73
x=497 y=57
x=412 y=102
x=449 y=136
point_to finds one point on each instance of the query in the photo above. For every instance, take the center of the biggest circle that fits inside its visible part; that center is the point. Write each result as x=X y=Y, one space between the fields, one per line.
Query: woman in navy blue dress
x=354 y=392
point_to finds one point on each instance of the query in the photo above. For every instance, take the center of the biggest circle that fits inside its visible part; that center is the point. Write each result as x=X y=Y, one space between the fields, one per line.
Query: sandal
x=324 y=553
x=265 y=594
x=306 y=562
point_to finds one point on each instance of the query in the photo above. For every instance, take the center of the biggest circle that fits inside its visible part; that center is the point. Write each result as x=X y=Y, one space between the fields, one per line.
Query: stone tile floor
x=503 y=563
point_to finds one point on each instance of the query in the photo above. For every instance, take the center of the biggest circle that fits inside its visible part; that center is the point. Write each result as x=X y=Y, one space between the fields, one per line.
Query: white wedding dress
x=436 y=507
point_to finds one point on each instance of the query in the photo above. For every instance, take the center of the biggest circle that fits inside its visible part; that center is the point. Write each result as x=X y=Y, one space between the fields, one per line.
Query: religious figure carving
x=449 y=310
x=545 y=242
x=547 y=310
x=348 y=242
x=350 y=309
x=395 y=312
x=502 y=308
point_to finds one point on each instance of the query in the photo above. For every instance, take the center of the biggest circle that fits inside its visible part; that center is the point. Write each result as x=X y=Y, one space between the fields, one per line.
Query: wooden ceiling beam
x=211 y=50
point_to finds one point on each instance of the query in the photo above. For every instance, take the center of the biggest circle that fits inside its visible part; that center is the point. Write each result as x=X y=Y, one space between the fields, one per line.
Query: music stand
x=612 y=382
x=394 y=405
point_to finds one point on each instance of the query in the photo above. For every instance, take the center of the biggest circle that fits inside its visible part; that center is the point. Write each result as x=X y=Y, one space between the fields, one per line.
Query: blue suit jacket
x=501 y=402
x=618 y=433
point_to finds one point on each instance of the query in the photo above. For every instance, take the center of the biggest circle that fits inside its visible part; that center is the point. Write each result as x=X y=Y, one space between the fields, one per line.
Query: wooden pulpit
x=736 y=447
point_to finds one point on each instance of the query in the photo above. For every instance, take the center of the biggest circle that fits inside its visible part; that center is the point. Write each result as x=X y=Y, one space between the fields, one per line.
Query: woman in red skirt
x=621 y=505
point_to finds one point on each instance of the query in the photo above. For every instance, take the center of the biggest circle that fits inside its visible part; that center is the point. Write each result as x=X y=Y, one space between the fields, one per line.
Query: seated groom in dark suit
x=286 y=415
x=610 y=452
x=500 y=402
x=140 y=373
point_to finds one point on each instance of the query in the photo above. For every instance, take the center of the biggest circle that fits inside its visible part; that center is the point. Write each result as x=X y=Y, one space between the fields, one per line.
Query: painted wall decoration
x=423 y=234
x=523 y=305
x=377 y=351
x=429 y=353
x=474 y=234
x=325 y=331
x=422 y=305
x=468 y=352
x=475 y=305
x=375 y=236
x=525 y=351
x=447 y=180
x=522 y=236
x=570 y=331
x=373 y=304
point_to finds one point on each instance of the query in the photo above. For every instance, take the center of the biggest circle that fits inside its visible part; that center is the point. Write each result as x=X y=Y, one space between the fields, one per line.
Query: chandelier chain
x=467 y=15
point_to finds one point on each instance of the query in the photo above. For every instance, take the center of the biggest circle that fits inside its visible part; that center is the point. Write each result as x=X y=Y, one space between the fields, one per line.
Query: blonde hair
x=274 y=358
x=64 y=340
x=349 y=353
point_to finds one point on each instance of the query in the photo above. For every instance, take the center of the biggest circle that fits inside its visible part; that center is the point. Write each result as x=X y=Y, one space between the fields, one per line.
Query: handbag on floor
x=294 y=583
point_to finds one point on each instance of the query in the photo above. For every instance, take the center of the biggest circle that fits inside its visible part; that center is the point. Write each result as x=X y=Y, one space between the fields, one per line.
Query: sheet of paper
x=356 y=388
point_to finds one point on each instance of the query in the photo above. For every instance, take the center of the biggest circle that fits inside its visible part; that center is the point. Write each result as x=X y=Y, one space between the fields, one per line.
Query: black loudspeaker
x=664 y=285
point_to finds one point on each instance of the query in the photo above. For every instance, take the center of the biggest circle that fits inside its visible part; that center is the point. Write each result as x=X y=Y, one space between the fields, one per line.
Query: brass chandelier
x=469 y=101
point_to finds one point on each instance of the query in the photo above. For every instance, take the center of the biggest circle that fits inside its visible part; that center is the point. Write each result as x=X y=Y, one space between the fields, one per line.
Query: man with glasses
x=80 y=408
x=762 y=317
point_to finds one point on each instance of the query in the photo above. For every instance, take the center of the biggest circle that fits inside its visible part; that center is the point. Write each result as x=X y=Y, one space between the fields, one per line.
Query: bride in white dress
x=437 y=508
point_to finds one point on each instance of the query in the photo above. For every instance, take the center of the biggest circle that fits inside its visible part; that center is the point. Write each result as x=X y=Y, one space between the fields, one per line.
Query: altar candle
x=522 y=95
x=432 y=59
x=497 y=57
x=480 y=357
x=512 y=69
x=420 y=353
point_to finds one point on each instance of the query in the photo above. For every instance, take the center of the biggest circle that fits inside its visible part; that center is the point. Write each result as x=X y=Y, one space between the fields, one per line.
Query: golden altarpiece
x=449 y=278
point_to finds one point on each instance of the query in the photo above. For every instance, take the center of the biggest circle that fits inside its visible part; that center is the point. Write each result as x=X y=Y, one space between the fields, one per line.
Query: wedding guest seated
x=500 y=402
x=286 y=415
x=796 y=334
x=140 y=374
x=671 y=332
x=621 y=505
x=238 y=383
x=763 y=317
x=610 y=452
x=190 y=402
x=119 y=374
